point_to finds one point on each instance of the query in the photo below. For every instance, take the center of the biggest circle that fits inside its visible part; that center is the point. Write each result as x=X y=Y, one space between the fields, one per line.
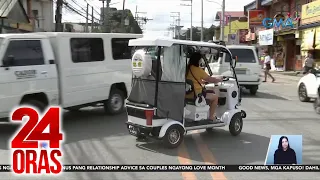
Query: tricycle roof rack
x=170 y=42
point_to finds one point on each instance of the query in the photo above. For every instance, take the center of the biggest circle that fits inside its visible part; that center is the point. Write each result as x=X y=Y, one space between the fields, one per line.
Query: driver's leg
x=213 y=104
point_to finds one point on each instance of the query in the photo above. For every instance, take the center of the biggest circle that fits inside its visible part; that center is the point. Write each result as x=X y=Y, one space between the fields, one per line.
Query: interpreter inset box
x=284 y=149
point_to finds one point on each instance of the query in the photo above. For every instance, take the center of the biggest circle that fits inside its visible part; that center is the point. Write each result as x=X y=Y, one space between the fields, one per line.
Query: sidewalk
x=286 y=75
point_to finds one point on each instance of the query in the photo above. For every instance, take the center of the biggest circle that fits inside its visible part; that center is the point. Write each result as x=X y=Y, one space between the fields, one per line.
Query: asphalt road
x=94 y=138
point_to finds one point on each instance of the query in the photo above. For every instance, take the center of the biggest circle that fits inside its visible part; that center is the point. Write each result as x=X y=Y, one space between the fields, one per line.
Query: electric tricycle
x=157 y=106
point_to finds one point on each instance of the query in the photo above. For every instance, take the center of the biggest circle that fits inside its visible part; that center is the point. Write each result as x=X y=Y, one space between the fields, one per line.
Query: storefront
x=310 y=30
x=287 y=48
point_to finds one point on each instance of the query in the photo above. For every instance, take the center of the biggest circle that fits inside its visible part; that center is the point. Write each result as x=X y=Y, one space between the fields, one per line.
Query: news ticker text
x=184 y=168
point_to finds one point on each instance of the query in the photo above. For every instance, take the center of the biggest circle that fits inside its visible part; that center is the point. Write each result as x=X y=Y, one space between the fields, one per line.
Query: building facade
x=310 y=30
x=286 y=36
x=235 y=27
x=26 y=15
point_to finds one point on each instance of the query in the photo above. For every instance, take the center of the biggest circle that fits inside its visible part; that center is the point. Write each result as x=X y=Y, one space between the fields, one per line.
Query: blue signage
x=271 y=23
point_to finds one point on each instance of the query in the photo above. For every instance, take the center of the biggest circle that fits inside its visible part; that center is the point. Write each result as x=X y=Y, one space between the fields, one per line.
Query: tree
x=115 y=23
x=208 y=33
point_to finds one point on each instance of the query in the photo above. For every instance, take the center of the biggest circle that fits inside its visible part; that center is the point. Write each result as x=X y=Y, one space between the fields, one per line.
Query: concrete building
x=235 y=22
x=41 y=14
x=26 y=15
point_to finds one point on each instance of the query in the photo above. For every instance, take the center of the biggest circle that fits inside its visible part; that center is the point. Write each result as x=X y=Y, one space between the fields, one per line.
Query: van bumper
x=256 y=83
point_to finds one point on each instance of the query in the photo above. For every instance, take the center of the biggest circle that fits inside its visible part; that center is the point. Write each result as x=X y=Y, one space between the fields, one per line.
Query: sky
x=160 y=12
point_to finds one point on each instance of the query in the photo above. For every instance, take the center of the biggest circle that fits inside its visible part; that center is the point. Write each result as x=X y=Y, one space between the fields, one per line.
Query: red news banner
x=183 y=168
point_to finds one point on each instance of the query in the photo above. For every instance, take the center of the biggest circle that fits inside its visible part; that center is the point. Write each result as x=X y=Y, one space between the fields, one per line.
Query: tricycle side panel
x=227 y=116
x=142 y=122
x=165 y=127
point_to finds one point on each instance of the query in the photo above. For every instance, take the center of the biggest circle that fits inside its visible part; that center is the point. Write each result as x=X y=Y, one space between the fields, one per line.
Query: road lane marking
x=184 y=159
x=207 y=155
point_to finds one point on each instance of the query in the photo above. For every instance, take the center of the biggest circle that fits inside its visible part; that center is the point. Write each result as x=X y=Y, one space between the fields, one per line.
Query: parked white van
x=73 y=70
x=248 y=68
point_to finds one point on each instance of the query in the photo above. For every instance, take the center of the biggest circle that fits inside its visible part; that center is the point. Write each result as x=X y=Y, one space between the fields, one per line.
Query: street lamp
x=223 y=7
x=177 y=27
x=191 y=15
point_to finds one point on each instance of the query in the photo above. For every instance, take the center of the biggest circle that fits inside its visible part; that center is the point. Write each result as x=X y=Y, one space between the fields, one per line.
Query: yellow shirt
x=199 y=74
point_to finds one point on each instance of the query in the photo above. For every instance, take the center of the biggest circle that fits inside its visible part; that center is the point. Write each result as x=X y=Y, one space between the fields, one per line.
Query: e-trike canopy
x=159 y=69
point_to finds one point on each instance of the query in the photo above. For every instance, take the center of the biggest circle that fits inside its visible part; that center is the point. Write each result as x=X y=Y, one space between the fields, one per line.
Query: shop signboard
x=242 y=35
x=274 y=23
x=233 y=39
x=308 y=39
x=317 y=39
x=255 y=17
x=266 y=37
x=310 y=13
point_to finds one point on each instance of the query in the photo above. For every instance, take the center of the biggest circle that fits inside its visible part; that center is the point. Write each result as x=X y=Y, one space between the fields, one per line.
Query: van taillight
x=149 y=116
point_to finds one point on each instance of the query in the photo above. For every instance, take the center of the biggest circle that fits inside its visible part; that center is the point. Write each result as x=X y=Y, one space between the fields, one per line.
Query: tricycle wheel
x=173 y=137
x=236 y=123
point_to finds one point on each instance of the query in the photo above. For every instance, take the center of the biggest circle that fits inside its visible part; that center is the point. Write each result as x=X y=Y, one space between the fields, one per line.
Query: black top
x=285 y=157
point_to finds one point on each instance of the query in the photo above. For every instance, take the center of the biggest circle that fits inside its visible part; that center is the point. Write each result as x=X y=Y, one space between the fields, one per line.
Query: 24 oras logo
x=35 y=151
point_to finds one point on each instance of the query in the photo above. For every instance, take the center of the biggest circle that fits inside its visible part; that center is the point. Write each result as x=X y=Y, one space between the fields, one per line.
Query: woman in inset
x=284 y=154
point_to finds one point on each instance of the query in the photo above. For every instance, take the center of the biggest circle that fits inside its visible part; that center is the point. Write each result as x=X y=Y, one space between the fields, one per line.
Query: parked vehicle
x=248 y=68
x=308 y=86
x=73 y=70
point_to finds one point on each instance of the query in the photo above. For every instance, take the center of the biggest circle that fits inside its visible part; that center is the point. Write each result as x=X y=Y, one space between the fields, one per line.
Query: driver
x=199 y=77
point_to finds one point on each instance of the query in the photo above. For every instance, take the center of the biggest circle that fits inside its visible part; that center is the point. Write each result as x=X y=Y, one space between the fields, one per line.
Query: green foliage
x=208 y=33
x=115 y=23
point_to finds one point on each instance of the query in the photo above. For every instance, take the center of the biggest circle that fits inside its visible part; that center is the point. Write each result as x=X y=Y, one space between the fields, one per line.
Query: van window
x=121 y=49
x=25 y=52
x=86 y=49
x=244 y=55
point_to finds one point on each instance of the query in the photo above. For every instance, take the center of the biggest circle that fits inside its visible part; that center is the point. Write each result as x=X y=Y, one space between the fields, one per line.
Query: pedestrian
x=267 y=67
x=308 y=62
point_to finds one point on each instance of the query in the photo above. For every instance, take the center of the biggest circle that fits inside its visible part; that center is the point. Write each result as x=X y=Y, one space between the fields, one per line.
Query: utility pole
x=87 y=18
x=103 y=15
x=222 y=20
x=136 y=13
x=177 y=24
x=92 y=20
x=191 y=15
x=229 y=21
x=141 y=20
x=107 y=24
x=122 y=17
x=201 y=39
x=58 y=18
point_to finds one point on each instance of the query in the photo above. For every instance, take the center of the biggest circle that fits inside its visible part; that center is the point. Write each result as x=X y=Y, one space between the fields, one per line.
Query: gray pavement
x=94 y=138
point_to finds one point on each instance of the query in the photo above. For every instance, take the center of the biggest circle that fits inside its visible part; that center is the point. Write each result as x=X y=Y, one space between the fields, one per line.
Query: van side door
x=26 y=74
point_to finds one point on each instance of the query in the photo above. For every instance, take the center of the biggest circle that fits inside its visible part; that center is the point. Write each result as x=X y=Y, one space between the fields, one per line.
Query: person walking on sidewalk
x=267 y=67
x=308 y=63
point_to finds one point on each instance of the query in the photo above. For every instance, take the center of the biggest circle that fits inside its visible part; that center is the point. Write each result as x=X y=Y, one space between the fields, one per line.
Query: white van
x=248 y=68
x=73 y=70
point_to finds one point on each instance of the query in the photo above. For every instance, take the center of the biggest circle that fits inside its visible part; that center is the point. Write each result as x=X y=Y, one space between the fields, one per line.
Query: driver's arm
x=204 y=76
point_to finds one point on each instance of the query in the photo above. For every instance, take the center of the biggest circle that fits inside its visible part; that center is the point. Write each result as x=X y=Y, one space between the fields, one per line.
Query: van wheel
x=115 y=103
x=253 y=90
x=74 y=109
x=35 y=103
x=209 y=130
x=236 y=123
x=173 y=137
